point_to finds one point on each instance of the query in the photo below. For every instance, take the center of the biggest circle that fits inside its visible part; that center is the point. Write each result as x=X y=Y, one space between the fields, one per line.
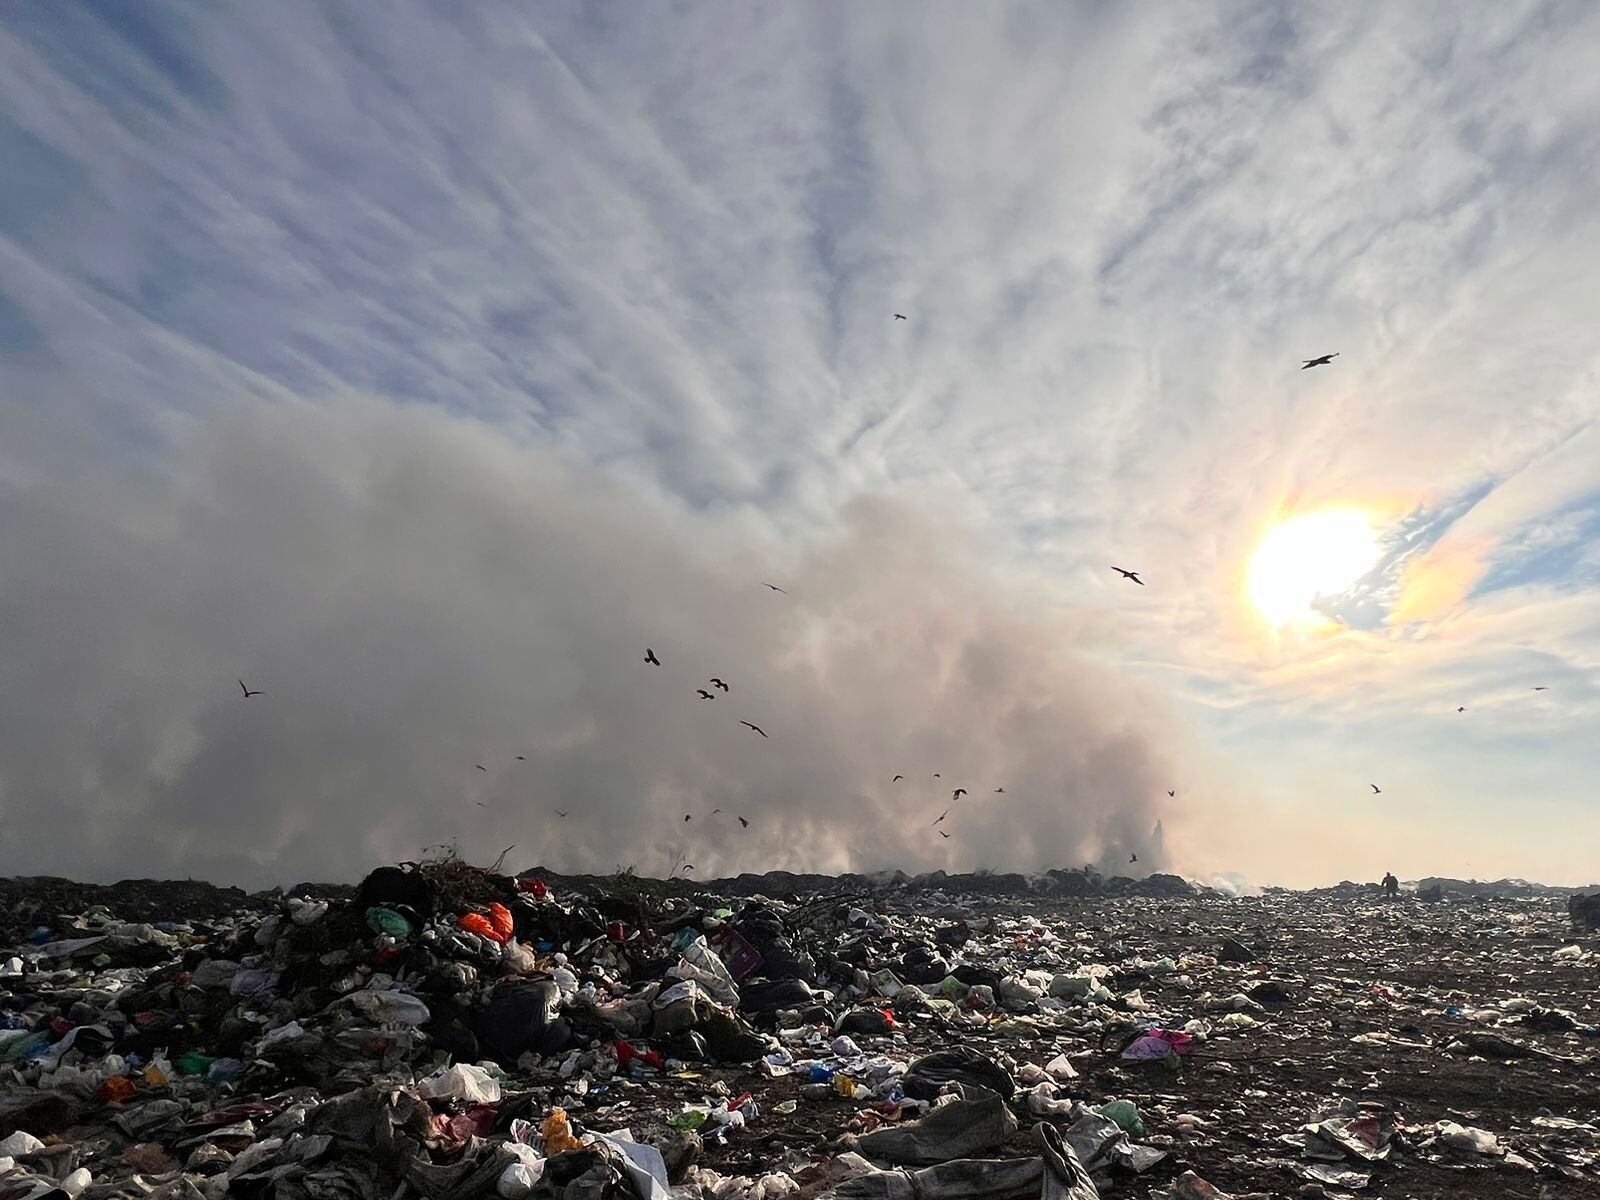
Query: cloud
x=416 y=594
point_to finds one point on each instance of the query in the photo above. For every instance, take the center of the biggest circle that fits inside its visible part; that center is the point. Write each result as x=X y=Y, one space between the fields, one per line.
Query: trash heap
x=446 y=1031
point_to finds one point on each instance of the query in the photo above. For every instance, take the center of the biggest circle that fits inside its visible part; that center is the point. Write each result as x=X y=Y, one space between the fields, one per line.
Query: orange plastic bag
x=500 y=918
x=557 y=1133
x=117 y=1089
x=497 y=926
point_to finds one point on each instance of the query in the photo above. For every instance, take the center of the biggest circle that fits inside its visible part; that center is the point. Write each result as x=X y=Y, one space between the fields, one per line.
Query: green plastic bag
x=387 y=921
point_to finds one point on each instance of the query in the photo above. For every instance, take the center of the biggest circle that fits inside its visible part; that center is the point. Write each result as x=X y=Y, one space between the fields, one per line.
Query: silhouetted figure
x=1320 y=362
x=941 y=816
x=248 y=693
x=757 y=728
x=650 y=657
x=897 y=779
x=899 y=316
x=1376 y=790
x=1391 y=885
x=774 y=587
x=717 y=683
x=1133 y=575
x=999 y=791
x=958 y=793
x=1133 y=858
x=745 y=823
x=705 y=695
x=943 y=834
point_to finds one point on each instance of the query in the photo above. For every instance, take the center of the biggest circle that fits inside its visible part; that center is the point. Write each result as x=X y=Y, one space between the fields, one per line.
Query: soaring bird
x=560 y=814
x=745 y=823
x=1461 y=709
x=899 y=316
x=936 y=774
x=650 y=657
x=247 y=692
x=943 y=834
x=1537 y=689
x=717 y=683
x=897 y=779
x=1133 y=858
x=774 y=587
x=941 y=816
x=687 y=816
x=757 y=728
x=1171 y=792
x=1320 y=362
x=998 y=791
x=522 y=758
x=1133 y=575
x=480 y=766
x=703 y=694
x=1376 y=790
x=715 y=811
x=958 y=793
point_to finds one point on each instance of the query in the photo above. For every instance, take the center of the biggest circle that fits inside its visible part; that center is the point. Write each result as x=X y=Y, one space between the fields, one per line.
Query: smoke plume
x=417 y=594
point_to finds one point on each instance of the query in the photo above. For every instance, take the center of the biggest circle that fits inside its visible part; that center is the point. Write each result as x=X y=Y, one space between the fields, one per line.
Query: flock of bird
x=956 y=794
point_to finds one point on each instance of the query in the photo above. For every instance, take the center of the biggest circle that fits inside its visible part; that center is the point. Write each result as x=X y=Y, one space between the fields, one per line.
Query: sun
x=1319 y=554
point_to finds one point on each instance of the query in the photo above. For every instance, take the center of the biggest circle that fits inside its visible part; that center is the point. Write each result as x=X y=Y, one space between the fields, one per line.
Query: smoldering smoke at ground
x=416 y=595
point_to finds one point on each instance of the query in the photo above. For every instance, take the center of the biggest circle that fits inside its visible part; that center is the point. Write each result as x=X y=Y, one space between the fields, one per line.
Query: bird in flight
x=745 y=823
x=1133 y=575
x=522 y=758
x=897 y=779
x=943 y=834
x=1171 y=792
x=958 y=793
x=717 y=683
x=715 y=811
x=650 y=657
x=1537 y=689
x=1320 y=362
x=247 y=692
x=757 y=728
x=936 y=774
x=1376 y=790
x=687 y=816
x=704 y=695
x=483 y=804
x=997 y=791
x=774 y=587
x=899 y=316
x=480 y=766
x=941 y=816
x=560 y=814
x=1133 y=858
x=1462 y=708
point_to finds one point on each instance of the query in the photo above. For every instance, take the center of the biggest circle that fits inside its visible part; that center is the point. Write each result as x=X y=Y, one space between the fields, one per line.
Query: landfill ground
x=1330 y=1043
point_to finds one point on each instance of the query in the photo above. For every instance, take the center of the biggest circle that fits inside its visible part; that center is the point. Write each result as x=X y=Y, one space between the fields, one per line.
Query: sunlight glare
x=1319 y=554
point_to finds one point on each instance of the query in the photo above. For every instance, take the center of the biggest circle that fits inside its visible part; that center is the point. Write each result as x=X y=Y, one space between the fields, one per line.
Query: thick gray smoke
x=415 y=594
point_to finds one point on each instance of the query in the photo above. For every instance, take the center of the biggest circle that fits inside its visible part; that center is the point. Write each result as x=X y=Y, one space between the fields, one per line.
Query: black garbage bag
x=728 y=1039
x=865 y=1021
x=920 y=965
x=973 y=975
x=395 y=887
x=521 y=1016
x=769 y=995
x=929 y=1075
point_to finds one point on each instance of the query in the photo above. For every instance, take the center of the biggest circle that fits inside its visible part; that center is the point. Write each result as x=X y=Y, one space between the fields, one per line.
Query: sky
x=423 y=366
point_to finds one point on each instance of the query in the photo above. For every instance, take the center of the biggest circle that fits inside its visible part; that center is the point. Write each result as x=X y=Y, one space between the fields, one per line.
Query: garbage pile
x=448 y=1032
